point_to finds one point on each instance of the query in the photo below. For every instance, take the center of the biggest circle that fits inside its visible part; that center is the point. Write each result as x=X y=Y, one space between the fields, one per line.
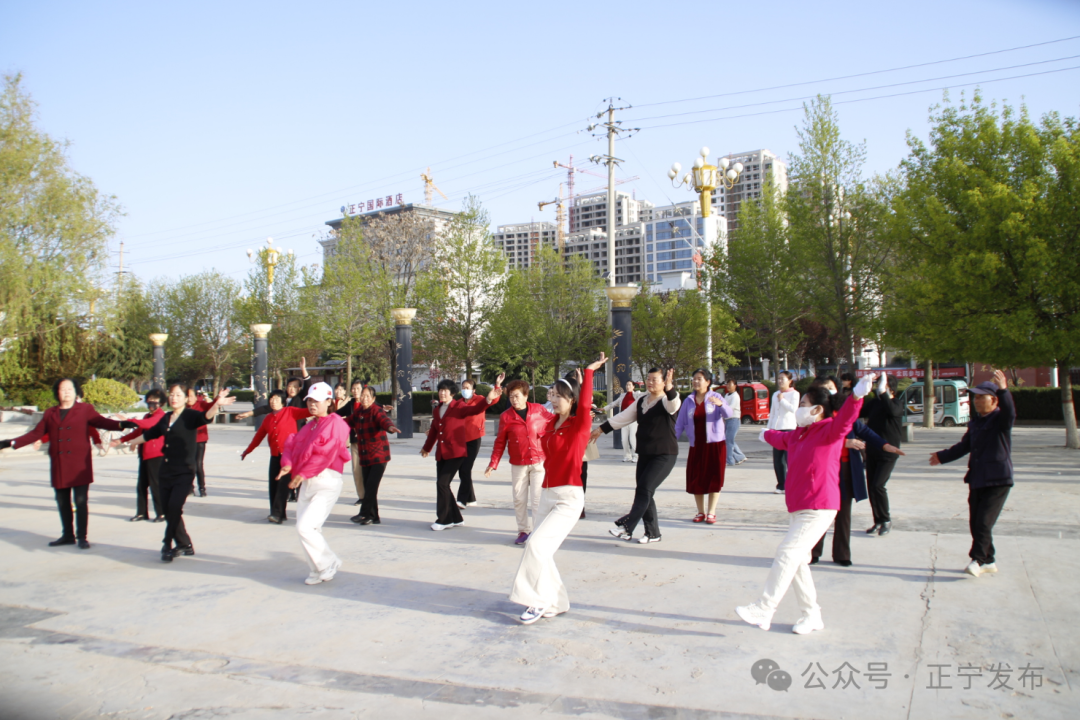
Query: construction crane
x=560 y=216
x=570 y=170
x=429 y=185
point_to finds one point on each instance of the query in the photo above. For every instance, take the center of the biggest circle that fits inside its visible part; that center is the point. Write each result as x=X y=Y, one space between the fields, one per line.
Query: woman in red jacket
x=150 y=458
x=475 y=428
x=537 y=584
x=276 y=428
x=67 y=426
x=449 y=422
x=520 y=428
x=368 y=425
x=200 y=404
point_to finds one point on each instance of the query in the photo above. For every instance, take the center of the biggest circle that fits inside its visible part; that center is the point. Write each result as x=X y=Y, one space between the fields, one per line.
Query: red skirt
x=705 y=468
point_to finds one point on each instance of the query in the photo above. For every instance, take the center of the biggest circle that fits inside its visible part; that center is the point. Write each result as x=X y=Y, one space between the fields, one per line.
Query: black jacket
x=885 y=417
x=989 y=441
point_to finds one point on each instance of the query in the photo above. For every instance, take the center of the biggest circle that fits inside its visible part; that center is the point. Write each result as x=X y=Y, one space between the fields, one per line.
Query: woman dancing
x=702 y=418
x=315 y=457
x=538 y=585
x=449 y=427
x=277 y=428
x=68 y=426
x=369 y=424
x=812 y=494
x=180 y=429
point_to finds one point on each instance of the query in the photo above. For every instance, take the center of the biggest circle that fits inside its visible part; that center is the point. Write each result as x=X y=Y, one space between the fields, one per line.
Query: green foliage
x=552 y=312
x=1040 y=403
x=109 y=396
x=54 y=228
x=243 y=395
x=670 y=331
x=124 y=348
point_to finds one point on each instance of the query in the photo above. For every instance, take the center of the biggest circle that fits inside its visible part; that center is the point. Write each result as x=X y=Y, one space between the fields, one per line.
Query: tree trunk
x=1068 y=409
x=776 y=361
x=393 y=379
x=928 y=395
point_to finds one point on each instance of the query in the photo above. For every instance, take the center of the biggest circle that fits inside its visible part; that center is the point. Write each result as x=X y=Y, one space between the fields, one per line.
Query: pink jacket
x=322 y=443
x=813 y=477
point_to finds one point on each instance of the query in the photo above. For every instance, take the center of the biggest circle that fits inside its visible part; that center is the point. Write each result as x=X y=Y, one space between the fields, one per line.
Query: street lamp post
x=703 y=179
x=158 y=341
x=269 y=257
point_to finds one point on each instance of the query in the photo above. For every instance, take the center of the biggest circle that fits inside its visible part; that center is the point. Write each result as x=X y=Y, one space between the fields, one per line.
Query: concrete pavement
x=419 y=622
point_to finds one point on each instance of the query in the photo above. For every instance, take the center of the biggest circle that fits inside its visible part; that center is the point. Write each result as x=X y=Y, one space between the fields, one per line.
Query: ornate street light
x=269 y=256
x=705 y=178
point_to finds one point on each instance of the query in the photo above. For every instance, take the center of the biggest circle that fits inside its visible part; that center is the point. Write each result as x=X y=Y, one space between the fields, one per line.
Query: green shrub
x=42 y=397
x=109 y=396
x=1039 y=403
x=243 y=395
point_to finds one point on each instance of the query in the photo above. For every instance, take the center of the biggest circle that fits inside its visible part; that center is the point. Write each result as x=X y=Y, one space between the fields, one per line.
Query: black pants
x=200 y=473
x=841 y=537
x=465 y=493
x=779 y=465
x=652 y=471
x=148 y=481
x=446 y=509
x=174 y=491
x=984 y=506
x=373 y=474
x=879 y=469
x=279 y=489
x=74 y=523
x=584 y=475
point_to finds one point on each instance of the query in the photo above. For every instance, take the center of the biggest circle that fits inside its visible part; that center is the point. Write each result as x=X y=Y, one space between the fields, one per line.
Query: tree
x=54 y=228
x=759 y=276
x=200 y=314
x=552 y=312
x=836 y=227
x=670 y=331
x=464 y=292
x=989 y=223
x=352 y=317
x=125 y=352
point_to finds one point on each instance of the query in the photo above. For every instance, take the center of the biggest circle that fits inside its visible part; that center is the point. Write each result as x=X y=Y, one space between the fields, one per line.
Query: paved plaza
x=418 y=622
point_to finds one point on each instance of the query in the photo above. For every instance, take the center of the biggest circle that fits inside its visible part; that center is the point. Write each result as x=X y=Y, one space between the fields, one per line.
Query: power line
x=872 y=72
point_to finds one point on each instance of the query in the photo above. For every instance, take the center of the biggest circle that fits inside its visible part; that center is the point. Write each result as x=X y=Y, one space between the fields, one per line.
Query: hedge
x=243 y=395
x=1039 y=403
x=109 y=396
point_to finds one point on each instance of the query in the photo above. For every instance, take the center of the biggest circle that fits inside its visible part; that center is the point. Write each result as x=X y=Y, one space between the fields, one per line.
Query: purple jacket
x=714 y=418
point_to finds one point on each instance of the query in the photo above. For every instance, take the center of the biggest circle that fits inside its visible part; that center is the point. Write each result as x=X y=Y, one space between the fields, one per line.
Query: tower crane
x=429 y=185
x=570 y=170
x=560 y=216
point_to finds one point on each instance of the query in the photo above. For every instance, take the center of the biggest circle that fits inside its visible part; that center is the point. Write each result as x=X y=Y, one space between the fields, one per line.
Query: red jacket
x=151 y=448
x=369 y=427
x=475 y=427
x=202 y=434
x=523 y=436
x=277 y=427
x=565 y=448
x=451 y=429
x=69 y=449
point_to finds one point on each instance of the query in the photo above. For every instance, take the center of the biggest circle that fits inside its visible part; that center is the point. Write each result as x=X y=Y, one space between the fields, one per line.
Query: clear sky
x=219 y=124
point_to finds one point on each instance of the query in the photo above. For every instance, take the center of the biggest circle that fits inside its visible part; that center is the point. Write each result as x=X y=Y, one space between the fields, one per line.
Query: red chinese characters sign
x=372 y=205
x=918 y=373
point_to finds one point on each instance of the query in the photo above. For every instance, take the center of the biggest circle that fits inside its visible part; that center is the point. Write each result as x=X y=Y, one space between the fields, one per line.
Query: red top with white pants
x=564 y=448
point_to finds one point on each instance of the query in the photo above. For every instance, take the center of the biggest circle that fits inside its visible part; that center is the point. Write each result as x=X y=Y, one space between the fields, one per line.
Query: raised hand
x=303 y=366
x=862 y=388
x=499 y=379
x=597 y=365
x=999 y=380
x=669 y=379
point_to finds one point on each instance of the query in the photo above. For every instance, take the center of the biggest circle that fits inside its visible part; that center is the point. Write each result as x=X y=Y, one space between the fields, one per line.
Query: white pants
x=791 y=566
x=317 y=498
x=537 y=583
x=526 y=481
x=629 y=437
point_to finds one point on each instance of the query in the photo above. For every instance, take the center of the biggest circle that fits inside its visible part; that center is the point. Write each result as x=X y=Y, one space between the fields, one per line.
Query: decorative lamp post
x=703 y=179
x=621 y=297
x=158 y=341
x=260 y=366
x=403 y=318
x=269 y=256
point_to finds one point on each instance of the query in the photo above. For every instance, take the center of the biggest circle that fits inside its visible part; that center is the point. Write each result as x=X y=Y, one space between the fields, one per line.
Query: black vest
x=656 y=428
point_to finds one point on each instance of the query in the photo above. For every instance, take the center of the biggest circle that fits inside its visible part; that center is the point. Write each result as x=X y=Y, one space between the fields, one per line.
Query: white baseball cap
x=319 y=391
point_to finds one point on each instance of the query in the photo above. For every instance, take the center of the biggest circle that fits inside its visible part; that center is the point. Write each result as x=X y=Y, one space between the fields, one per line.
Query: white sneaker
x=974 y=569
x=646 y=539
x=461 y=505
x=553 y=613
x=626 y=459
x=437 y=527
x=328 y=574
x=313 y=579
x=809 y=623
x=989 y=568
x=620 y=533
x=635 y=458
x=531 y=615
x=755 y=615
x=778 y=491
x=472 y=504
x=457 y=524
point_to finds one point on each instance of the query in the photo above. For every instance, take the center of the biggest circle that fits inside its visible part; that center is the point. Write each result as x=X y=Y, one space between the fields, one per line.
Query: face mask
x=832 y=391
x=804 y=416
x=466 y=393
